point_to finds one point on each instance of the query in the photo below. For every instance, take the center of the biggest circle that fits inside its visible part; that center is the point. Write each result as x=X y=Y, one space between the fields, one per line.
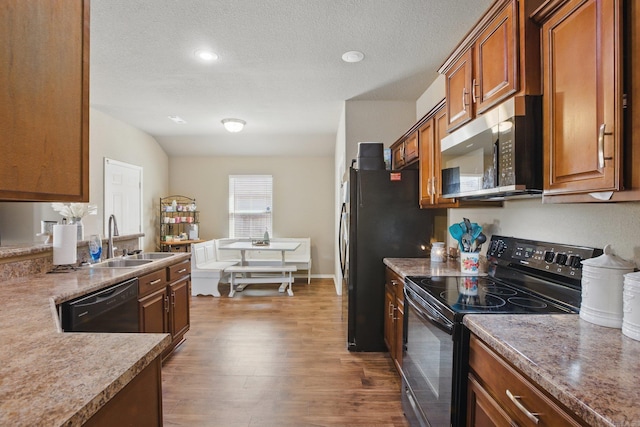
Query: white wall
x=19 y=222
x=303 y=197
x=595 y=224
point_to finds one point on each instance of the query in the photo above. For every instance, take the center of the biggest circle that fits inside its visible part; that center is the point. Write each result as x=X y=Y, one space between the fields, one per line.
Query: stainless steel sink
x=120 y=263
x=151 y=255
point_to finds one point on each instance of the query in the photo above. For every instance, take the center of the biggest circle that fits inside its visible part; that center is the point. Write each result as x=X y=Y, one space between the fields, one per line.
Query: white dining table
x=244 y=246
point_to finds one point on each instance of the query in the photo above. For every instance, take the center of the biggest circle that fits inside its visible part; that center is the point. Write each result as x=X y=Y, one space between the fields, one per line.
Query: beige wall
x=19 y=222
x=595 y=224
x=303 y=197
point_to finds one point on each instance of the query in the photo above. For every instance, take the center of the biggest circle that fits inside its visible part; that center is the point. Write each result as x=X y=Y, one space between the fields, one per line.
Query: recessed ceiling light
x=178 y=120
x=205 y=55
x=352 y=56
x=233 y=125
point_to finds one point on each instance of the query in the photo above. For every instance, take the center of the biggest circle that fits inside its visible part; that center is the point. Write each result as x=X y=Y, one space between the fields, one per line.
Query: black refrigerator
x=385 y=221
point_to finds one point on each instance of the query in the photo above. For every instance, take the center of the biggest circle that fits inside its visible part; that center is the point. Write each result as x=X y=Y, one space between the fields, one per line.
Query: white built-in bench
x=300 y=258
x=241 y=276
x=206 y=270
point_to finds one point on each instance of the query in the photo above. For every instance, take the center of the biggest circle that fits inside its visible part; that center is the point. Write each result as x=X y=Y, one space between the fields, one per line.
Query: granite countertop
x=591 y=369
x=53 y=378
x=424 y=267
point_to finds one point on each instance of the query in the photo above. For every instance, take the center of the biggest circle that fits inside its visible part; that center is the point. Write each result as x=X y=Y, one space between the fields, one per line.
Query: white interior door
x=123 y=196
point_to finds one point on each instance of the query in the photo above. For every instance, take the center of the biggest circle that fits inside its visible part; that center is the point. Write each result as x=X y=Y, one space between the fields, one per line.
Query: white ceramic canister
x=602 y=282
x=631 y=306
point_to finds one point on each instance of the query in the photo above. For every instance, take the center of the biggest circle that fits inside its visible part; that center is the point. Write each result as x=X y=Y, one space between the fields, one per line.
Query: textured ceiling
x=279 y=66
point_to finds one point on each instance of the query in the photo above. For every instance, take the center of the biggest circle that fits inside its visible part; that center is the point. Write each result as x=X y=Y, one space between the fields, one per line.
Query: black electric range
x=523 y=277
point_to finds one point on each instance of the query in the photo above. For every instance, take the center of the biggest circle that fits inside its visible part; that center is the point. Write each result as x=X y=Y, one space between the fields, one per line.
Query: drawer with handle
x=514 y=393
x=151 y=282
x=177 y=271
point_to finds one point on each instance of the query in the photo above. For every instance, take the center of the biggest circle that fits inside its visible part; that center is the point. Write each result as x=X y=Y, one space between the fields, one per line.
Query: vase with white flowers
x=74 y=212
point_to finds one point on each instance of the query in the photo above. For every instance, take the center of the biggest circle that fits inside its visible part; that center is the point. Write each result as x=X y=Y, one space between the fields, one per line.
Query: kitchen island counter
x=52 y=378
x=591 y=369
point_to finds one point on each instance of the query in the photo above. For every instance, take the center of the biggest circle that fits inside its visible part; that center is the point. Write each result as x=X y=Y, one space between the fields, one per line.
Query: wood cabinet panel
x=430 y=133
x=44 y=104
x=583 y=95
x=138 y=404
x=496 y=62
x=179 y=300
x=154 y=312
x=513 y=393
x=394 y=316
x=482 y=409
x=458 y=91
x=151 y=282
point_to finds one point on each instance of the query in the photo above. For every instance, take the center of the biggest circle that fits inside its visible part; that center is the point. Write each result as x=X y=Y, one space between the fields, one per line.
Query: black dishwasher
x=114 y=309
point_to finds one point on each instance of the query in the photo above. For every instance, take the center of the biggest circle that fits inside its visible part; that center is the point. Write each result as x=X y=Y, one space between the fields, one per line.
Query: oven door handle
x=443 y=324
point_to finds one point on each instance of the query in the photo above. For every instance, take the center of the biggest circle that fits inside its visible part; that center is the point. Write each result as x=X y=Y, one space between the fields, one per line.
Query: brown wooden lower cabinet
x=394 y=316
x=138 y=404
x=163 y=302
x=499 y=395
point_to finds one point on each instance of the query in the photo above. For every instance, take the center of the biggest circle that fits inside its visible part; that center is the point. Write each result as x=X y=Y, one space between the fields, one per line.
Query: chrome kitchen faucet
x=113 y=231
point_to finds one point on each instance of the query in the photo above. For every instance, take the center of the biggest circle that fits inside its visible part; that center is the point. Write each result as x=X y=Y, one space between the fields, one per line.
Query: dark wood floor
x=263 y=358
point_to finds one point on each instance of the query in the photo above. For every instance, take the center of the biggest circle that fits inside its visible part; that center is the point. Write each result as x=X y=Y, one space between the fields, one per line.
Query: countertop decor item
x=74 y=212
x=602 y=283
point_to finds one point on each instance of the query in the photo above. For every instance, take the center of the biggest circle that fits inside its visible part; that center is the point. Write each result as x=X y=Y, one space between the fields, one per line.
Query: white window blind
x=250 y=198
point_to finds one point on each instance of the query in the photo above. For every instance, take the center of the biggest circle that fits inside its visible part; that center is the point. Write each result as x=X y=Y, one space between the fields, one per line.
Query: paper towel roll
x=65 y=244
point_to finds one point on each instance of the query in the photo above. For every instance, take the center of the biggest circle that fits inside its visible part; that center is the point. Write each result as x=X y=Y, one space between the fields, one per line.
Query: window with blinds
x=250 y=198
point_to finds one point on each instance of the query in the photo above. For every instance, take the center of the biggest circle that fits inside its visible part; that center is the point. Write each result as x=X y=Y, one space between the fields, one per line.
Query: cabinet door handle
x=429 y=186
x=520 y=406
x=394 y=282
x=464 y=99
x=166 y=303
x=182 y=271
x=391 y=308
x=154 y=282
x=473 y=91
x=173 y=299
x=601 y=135
x=433 y=186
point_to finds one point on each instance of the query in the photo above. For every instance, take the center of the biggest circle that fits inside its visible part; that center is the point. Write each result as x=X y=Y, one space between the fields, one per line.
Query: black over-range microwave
x=497 y=155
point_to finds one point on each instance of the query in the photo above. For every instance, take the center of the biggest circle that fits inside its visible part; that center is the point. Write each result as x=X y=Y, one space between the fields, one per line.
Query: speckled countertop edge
x=424 y=267
x=592 y=370
x=53 y=378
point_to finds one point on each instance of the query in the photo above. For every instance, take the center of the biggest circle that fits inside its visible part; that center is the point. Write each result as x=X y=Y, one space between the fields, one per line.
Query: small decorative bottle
x=266 y=236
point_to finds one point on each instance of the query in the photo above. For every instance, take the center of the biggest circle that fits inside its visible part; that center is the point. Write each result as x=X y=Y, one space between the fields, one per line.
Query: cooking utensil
x=479 y=241
x=456 y=231
x=467 y=238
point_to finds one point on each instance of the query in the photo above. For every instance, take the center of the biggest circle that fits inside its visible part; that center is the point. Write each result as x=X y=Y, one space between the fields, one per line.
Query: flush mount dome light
x=233 y=125
x=352 y=56
x=205 y=55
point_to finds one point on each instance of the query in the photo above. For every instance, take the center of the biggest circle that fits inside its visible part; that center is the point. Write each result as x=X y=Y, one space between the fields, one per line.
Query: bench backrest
x=302 y=254
x=202 y=253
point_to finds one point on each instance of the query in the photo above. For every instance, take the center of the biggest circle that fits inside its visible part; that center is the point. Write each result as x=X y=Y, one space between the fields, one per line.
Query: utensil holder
x=469 y=262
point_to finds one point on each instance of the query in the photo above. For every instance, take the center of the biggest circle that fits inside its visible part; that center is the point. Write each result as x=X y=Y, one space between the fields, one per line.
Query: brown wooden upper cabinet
x=430 y=133
x=44 y=103
x=405 y=151
x=583 y=95
x=487 y=70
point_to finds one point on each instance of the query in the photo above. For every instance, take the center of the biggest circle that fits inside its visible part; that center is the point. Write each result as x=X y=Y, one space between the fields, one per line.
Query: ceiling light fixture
x=352 y=56
x=178 y=120
x=233 y=125
x=206 y=55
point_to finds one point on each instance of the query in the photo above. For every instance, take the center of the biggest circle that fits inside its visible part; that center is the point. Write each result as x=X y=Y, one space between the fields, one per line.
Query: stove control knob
x=549 y=256
x=502 y=246
x=570 y=260
x=561 y=259
x=576 y=262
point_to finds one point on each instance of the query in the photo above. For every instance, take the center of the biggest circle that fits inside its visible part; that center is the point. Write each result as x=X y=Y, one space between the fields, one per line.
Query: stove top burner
x=500 y=290
x=473 y=300
x=528 y=302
